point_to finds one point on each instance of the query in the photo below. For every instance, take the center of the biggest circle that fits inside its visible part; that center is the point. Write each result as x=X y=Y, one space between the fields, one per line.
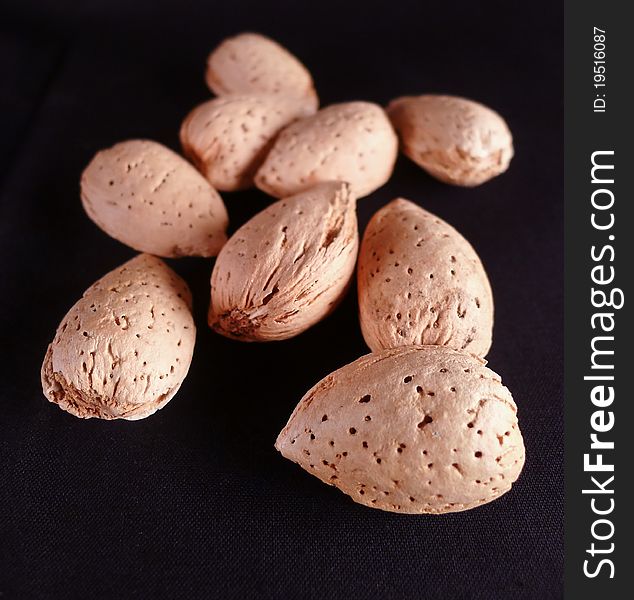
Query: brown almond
x=123 y=350
x=151 y=199
x=456 y=140
x=421 y=282
x=419 y=429
x=229 y=137
x=250 y=63
x=351 y=142
x=286 y=268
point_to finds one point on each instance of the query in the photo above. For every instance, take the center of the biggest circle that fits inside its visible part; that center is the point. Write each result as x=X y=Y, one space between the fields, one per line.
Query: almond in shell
x=229 y=137
x=151 y=199
x=410 y=430
x=421 y=282
x=250 y=63
x=352 y=142
x=456 y=140
x=123 y=350
x=286 y=268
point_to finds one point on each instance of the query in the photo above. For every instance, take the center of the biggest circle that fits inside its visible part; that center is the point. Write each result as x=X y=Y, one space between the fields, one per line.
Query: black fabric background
x=194 y=502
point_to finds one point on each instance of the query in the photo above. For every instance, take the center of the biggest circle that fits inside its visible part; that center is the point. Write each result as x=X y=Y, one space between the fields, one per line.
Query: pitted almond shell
x=286 y=268
x=123 y=350
x=410 y=430
x=250 y=63
x=456 y=140
x=151 y=199
x=421 y=282
x=229 y=137
x=351 y=142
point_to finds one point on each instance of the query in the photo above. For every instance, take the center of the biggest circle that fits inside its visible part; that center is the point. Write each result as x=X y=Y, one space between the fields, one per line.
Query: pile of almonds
x=419 y=425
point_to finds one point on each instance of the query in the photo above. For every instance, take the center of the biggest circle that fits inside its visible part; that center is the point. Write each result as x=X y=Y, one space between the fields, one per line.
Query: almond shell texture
x=421 y=282
x=151 y=199
x=228 y=138
x=419 y=429
x=286 y=268
x=352 y=142
x=250 y=63
x=123 y=350
x=456 y=140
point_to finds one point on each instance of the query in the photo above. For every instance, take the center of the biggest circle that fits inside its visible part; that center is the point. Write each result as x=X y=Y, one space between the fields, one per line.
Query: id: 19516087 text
x=599 y=103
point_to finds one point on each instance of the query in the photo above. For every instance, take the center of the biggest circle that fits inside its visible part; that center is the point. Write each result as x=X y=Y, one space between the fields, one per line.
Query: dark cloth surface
x=194 y=502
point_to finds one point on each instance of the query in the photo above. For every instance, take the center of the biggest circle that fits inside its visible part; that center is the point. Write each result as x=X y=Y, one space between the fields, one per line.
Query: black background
x=194 y=502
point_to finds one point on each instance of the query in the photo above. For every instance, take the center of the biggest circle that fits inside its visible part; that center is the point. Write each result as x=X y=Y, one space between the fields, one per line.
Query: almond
x=421 y=282
x=286 y=268
x=228 y=138
x=351 y=142
x=420 y=429
x=123 y=350
x=151 y=199
x=456 y=140
x=250 y=63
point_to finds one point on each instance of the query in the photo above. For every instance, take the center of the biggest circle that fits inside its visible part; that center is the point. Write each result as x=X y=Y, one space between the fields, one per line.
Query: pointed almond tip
x=396 y=201
x=280 y=442
x=401 y=203
x=395 y=104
